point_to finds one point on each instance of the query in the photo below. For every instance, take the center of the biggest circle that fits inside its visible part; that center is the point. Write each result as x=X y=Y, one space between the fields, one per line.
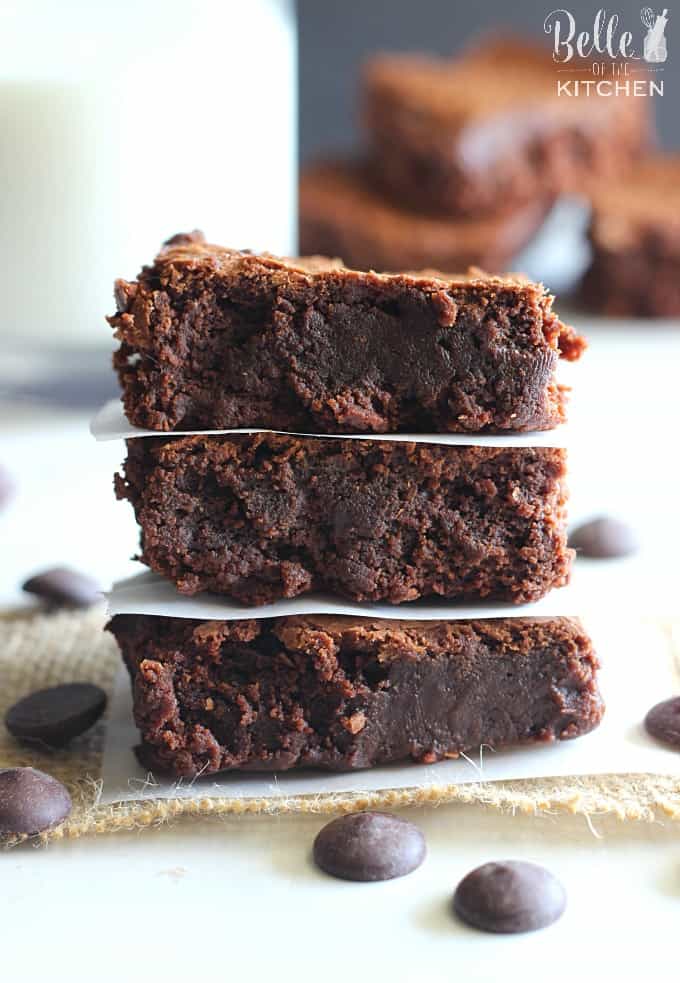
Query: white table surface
x=208 y=899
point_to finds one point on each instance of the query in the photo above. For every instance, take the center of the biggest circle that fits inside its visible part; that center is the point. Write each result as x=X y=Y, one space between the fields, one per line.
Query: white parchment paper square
x=147 y=593
x=110 y=423
x=637 y=672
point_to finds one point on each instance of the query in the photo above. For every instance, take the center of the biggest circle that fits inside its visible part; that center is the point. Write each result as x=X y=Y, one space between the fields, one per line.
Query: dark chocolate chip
x=369 y=846
x=56 y=715
x=510 y=896
x=63 y=587
x=31 y=801
x=663 y=722
x=604 y=538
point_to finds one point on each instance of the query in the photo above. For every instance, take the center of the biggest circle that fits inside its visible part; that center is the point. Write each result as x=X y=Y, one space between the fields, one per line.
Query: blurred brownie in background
x=471 y=134
x=343 y=213
x=635 y=239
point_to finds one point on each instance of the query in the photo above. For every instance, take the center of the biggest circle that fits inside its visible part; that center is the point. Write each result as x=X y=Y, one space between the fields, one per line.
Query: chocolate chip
x=604 y=538
x=511 y=896
x=663 y=722
x=56 y=715
x=369 y=846
x=63 y=587
x=31 y=801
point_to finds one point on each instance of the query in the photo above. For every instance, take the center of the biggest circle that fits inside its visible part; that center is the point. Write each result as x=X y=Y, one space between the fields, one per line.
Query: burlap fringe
x=41 y=650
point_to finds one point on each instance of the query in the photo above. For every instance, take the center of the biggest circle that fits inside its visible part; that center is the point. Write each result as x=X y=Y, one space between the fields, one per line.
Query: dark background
x=336 y=35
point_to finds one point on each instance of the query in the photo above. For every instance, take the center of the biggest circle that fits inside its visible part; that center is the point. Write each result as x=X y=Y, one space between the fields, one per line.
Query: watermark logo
x=655 y=49
x=621 y=61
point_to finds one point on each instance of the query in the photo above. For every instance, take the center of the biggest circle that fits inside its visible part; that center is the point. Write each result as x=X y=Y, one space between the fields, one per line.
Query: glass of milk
x=123 y=124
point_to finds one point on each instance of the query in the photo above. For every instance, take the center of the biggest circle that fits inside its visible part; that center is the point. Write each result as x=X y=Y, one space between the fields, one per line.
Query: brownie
x=471 y=134
x=344 y=693
x=213 y=338
x=635 y=240
x=266 y=516
x=342 y=213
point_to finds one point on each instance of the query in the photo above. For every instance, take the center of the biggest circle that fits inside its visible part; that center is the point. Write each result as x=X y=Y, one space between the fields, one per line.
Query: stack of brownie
x=312 y=365
x=464 y=158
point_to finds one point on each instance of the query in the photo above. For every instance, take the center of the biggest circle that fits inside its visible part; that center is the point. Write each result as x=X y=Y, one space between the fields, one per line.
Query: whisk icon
x=655 y=47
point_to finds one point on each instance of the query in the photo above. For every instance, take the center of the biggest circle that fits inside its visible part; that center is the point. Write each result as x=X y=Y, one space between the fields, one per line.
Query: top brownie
x=475 y=133
x=214 y=338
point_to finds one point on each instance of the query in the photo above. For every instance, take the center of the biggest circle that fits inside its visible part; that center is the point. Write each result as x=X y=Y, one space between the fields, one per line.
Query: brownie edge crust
x=346 y=693
x=268 y=516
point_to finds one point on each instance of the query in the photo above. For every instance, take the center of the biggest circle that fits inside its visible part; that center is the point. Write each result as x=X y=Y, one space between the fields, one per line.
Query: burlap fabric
x=42 y=650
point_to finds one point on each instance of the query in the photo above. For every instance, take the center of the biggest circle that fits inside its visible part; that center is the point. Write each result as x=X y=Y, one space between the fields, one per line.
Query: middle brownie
x=266 y=516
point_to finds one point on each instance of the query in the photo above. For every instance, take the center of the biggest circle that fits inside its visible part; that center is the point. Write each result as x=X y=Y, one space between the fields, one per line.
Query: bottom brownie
x=342 y=693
